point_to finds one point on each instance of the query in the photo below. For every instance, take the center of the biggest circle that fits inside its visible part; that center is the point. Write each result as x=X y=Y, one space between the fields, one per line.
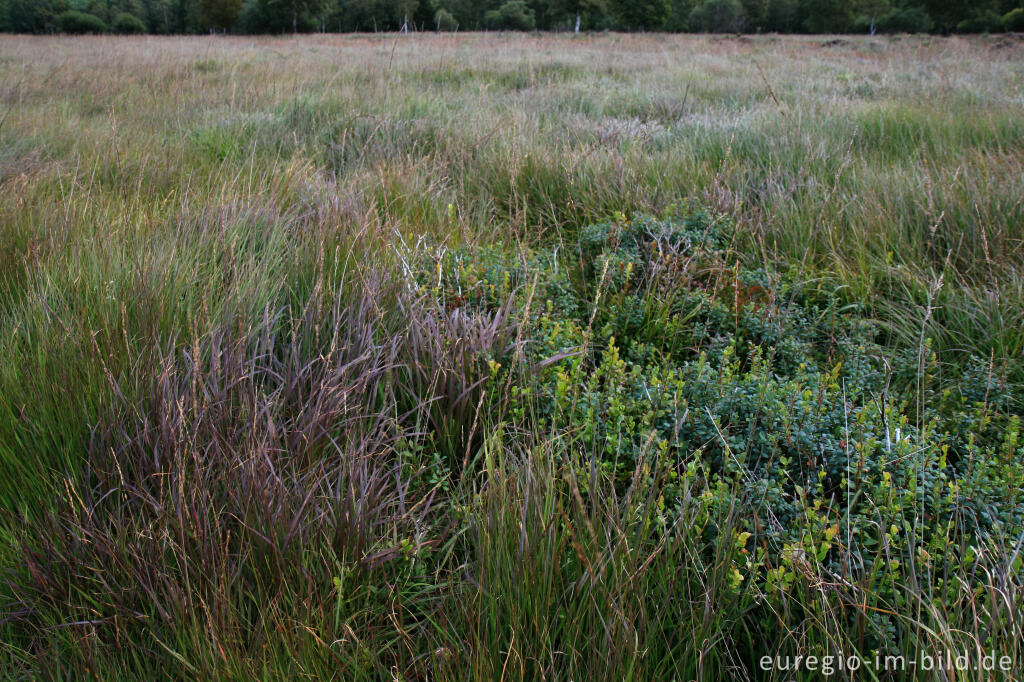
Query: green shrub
x=718 y=16
x=985 y=21
x=445 y=21
x=862 y=24
x=1014 y=20
x=128 y=24
x=219 y=15
x=909 y=20
x=655 y=351
x=828 y=16
x=515 y=15
x=79 y=22
x=766 y=376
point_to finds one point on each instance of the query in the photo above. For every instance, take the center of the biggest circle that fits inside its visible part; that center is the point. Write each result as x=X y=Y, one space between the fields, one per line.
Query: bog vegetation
x=434 y=357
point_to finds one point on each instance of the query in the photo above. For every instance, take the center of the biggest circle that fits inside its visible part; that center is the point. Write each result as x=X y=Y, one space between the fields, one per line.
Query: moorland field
x=498 y=356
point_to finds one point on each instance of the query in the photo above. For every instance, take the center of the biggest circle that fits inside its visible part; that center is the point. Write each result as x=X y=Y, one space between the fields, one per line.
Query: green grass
x=362 y=358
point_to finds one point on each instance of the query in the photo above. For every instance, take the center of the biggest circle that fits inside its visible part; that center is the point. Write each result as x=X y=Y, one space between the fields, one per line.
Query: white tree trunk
x=577 y=30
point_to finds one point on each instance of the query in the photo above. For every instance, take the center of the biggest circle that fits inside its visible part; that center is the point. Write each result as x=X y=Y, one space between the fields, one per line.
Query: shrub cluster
x=75 y=22
x=765 y=389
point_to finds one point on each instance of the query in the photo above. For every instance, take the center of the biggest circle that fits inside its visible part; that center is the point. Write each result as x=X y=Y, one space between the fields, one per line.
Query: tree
x=128 y=23
x=718 y=16
x=469 y=14
x=679 y=15
x=1014 y=20
x=828 y=16
x=97 y=9
x=156 y=14
x=444 y=21
x=784 y=16
x=75 y=22
x=423 y=15
x=981 y=21
x=386 y=15
x=184 y=16
x=868 y=13
x=30 y=16
x=283 y=15
x=909 y=20
x=755 y=15
x=219 y=15
x=946 y=14
x=642 y=15
x=514 y=15
x=273 y=16
x=578 y=13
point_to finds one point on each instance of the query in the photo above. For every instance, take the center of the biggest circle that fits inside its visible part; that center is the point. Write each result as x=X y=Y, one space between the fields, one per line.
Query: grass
x=494 y=356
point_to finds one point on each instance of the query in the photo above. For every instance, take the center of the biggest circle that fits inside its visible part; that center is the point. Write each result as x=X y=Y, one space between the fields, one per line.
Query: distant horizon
x=193 y=17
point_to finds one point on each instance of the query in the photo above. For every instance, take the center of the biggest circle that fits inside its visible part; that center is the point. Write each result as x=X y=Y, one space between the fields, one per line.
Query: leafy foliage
x=1014 y=20
x=763 y=388
x=515 y=15
x=444 y=21
x=80 y=22
x=128 y=24
x=981 y=21
x=715 y=16
x=219 y=15
x=718 y=16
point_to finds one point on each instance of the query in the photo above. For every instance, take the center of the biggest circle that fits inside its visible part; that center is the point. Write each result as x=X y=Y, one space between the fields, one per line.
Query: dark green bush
x=128 y=24
x=718 y=16
x=862 y=24
x=1014 y=20
x=79 y=22
x=770 y=380
x=908 y=20
x=445 y=21
x=985 y=21
x=514 y=15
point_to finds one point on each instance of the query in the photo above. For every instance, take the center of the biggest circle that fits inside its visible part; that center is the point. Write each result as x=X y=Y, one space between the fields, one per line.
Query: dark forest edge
x=708 y=16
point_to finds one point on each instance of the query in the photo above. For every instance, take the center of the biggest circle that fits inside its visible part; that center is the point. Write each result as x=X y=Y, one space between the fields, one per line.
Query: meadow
x=496 y=356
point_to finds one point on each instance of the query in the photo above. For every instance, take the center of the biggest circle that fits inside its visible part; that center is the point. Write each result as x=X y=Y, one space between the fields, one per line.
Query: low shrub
x=981 y=21
x=1014 y=20
x=128 y=24
x=907 y=20
x=445 y=21
x=515 y=15
x=669 y=373
x=76 y=22
x=718 y=16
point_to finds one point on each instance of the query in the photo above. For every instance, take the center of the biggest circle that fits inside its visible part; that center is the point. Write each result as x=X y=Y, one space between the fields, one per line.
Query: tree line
x=708 y=16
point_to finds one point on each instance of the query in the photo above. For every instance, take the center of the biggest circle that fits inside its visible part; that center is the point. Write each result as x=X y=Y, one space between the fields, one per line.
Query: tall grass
x=350 y=357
